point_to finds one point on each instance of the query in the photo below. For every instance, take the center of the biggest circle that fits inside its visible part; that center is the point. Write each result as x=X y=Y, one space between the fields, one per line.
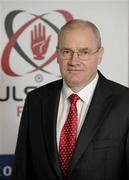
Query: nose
x=74 y=59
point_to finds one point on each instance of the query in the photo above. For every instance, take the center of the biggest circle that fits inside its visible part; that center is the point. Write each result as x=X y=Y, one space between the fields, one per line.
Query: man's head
x=79 y=53
x=78 y=23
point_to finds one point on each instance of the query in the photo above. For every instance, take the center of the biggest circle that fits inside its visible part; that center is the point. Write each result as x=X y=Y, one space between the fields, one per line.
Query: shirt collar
x=85 y=94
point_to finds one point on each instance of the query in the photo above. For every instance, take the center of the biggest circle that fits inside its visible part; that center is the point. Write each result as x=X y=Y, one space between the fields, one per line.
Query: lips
x=74 y=69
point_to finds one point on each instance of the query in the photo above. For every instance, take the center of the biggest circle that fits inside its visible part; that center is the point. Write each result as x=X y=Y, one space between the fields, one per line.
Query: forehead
x=77 y=37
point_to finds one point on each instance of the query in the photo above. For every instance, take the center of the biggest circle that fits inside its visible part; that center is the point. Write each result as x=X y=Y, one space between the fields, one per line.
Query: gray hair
x=78 y=23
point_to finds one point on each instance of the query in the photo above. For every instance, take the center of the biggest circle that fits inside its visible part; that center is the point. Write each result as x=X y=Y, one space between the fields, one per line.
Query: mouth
x=74 y=70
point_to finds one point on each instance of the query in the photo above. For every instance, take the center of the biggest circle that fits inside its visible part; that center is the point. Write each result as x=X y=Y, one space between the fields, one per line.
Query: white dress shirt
x=82 y=105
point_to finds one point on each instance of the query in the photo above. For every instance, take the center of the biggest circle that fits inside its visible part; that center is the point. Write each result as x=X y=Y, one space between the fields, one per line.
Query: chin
x=73 y=82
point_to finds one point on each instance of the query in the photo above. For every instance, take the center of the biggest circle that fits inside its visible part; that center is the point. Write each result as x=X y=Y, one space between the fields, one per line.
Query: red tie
x=68 y=135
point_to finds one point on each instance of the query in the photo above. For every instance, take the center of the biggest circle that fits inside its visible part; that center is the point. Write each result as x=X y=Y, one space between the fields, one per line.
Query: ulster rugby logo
x=37 y=34
x=39 y=42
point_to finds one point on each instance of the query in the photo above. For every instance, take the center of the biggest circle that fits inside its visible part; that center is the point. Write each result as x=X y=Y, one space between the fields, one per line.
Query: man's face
x=78 y=73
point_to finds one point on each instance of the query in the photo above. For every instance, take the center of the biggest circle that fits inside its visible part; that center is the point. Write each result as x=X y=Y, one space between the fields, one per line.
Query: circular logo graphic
x=38 y=78
x=39 y=41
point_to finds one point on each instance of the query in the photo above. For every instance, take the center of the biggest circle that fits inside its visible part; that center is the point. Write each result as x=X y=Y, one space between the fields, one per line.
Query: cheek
x=62 y=65
x=92 y=65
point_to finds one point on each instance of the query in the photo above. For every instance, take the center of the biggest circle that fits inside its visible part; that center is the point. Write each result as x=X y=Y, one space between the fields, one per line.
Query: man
x=96 y=145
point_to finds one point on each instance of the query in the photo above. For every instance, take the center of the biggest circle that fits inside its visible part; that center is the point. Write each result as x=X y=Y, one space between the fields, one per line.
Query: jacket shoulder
x=115 y=87
x=118 y=88
x=46 y=88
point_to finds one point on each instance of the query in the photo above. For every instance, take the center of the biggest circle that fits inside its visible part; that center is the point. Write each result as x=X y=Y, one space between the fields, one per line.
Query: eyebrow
x=84 y=49
x=73 y=50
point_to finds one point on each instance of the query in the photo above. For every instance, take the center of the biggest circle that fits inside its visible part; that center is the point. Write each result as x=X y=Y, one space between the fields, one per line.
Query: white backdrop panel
x=110 y=16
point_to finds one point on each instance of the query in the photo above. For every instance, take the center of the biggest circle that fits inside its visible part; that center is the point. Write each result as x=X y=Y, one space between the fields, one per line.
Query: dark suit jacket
x=102 y=151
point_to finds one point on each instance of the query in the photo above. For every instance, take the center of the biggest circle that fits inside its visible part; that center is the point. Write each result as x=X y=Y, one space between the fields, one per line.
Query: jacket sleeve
x=127 y=152
x=22 y=168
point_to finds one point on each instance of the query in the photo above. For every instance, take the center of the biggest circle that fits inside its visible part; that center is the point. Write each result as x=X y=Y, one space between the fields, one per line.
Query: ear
x=57 y=53
x=100 y=55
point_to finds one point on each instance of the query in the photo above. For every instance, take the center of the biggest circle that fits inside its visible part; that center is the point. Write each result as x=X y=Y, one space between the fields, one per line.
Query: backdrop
x=23 y=25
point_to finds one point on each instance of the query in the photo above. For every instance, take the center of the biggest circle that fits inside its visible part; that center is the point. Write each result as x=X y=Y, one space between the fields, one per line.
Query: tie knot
x=73 y=98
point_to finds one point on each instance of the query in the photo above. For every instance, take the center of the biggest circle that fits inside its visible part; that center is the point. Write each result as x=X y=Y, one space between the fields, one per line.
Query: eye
x=85 y=52
x=66 y=51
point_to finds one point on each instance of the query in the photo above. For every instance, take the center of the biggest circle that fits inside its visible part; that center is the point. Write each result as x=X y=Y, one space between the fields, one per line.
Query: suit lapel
x=99 y=108
x=50 y=109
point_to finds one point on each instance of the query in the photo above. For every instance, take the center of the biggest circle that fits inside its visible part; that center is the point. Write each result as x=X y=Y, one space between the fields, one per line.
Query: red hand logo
x=39 y=43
